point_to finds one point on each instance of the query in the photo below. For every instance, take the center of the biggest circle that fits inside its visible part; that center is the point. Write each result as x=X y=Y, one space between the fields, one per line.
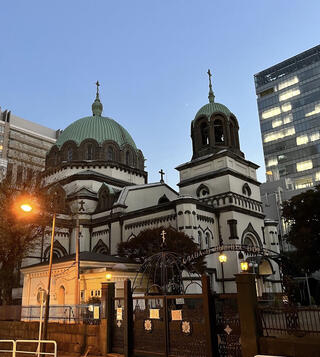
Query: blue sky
x=151 y=58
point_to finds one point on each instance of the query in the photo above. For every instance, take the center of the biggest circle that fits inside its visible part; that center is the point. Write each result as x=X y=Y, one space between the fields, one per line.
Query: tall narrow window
x=69 y=154
x=218 y=131
x=204 y=133
x=110 y=154
x=89 y=152
x=128 y=161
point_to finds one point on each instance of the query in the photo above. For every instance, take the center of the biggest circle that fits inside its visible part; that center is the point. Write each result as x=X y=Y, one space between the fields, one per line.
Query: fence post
x=128 y=320
x=107 y=315
x=209 y=312
x=247 y=306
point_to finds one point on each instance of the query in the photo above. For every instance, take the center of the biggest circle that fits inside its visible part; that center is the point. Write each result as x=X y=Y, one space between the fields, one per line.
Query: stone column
x=247 y=304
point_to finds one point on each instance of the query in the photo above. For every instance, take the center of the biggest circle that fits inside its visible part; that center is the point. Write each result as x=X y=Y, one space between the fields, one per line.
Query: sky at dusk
x=151 y=58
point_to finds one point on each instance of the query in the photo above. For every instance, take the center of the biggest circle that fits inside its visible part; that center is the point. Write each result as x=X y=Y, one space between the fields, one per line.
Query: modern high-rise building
x=23 y=146
x=288 y=96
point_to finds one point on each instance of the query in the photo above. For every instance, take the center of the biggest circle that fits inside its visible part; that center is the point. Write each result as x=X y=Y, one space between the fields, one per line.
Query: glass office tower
x=288 y=96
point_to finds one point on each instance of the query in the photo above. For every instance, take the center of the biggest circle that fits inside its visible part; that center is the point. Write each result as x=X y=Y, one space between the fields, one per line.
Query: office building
x=23 y=147
x=289 y=111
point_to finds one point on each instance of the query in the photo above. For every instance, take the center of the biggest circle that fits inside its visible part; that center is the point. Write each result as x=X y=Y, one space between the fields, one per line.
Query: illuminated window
x=303 y=139
x=276 y=135
x=317 y=178
x=289 y=94
x=276 y=122
x=269 y=173
x=287 y=119
x=315 y=136
x=286 y=107
x=1 y=147
x=304 y=182
x=272 y=162
x=304 y=165
x=271 y=113
x=315 y=111
x=288 y=83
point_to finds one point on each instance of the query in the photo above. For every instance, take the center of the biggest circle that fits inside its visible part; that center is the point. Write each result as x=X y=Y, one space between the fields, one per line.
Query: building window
x=218 y=131
x=200 y=239
x=276 y=135
x=128 y=158
x=204 y=133
x=246 y=190
x=289 y=94
x=208 y=236
x=69 y=154
x=19 y=174
x=304 y=165
x=110 y=154
x=89 y=152
x=288 y=83
x=233 y=228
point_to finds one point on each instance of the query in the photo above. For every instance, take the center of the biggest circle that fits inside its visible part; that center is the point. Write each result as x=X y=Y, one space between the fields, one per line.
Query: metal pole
x=308 y=289
x=40 y=322
x=46 y=313
x=222 y=271
x=77 y=292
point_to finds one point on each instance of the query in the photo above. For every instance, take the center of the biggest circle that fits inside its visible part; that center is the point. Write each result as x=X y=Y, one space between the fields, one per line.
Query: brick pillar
x=247 y=304
x=107 y=315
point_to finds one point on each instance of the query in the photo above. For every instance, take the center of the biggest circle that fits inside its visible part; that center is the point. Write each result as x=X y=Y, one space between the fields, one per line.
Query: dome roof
x=98 y=128
x=211 y=108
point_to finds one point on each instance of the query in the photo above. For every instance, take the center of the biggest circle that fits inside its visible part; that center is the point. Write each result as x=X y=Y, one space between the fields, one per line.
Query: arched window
x=204 y=133
x=246 y=190
x=69 y=154
x=128 y=158
x=89 y=152
x=110 y=154
x=61 y=295
x=208 y=236
x=202 y=191
x=200 y=239
x=218 y=131
x=250 y=241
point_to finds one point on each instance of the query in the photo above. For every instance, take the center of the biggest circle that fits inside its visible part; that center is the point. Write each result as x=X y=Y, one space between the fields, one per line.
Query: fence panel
x=287 y=320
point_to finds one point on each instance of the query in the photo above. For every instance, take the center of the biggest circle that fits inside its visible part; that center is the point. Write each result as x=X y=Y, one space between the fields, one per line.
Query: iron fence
x=86 y=314
x=289 y=320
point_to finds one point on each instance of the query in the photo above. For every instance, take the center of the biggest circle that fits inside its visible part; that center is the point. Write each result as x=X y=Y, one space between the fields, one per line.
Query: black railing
x=289 y=320
x=86 y=314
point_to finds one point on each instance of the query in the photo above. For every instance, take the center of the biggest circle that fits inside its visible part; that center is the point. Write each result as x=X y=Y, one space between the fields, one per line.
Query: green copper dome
x=211 y=108
x=98 y=128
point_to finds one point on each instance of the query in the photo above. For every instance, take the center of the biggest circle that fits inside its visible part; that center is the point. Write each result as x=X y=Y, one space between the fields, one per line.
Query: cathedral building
x=96 y=172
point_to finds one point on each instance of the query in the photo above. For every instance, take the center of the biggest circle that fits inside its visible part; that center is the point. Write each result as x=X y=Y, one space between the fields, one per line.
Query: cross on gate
x=161 y=172
x=163 y=236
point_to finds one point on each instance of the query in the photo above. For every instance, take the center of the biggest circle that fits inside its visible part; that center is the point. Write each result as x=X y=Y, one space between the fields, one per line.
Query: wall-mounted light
x=108 y=277
x=244 y=266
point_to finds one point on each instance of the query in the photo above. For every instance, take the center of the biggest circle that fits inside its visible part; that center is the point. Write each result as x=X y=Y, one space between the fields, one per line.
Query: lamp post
x=222 y=260
x=26 y=207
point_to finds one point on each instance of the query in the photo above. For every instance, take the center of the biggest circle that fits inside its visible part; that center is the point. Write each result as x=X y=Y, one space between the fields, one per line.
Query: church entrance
x=165 y=325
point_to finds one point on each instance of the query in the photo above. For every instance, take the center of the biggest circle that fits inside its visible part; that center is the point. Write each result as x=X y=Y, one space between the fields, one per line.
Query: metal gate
x=169 y=326
x=228 y=326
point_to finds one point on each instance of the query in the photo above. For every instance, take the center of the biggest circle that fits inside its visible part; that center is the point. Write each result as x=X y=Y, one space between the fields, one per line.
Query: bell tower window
x=204 y=133
x=218 y=131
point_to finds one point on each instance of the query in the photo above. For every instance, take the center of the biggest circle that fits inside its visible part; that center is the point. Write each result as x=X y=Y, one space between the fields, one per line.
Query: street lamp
x=222 y=259
x=244 y=266
x=27 y=207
